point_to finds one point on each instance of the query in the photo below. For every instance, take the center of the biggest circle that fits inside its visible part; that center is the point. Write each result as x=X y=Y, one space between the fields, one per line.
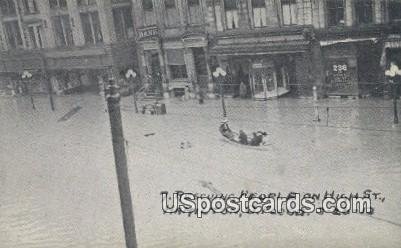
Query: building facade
x=65 y=45
x=272 y=46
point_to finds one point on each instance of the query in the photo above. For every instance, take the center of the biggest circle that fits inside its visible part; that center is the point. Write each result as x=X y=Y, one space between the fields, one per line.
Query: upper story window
x=231 y=12
x=259 y=13
x=63 y=31
x=172 y=15
x=149 y=17
x=306 y=12
x=289 y=8
x=35 y=36
x=394 y=10
x=91 y=27
x=7 y=7
x=30 y=6
x=335 y=12
x=194 y=11
x=123 y=22
x=58 y=4
x=13 y=34
x=86 y=2
x=364 y=11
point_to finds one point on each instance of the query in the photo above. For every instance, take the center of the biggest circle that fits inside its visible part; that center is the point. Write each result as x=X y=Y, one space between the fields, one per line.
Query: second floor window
x=58 y=4
x=123 y=22
x=364 y=11
x=149 y=17
x=306 y=12
x=91 y=28
x=13 y=34
x=231 y=11
x=62 y=31
x=395 y=10
x=259 y=13
x=30 y=6
x=172 y=15
x=35 y=36
x=289 y=8
x=7 y=7
x=86 y=2
x=194 y=11
x=335 y=12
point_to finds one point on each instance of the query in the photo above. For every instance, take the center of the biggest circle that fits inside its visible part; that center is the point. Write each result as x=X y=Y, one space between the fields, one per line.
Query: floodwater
x=58 y=182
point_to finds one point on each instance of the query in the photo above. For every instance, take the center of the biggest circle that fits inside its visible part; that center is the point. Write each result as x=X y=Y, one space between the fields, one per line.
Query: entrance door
x=263 y=82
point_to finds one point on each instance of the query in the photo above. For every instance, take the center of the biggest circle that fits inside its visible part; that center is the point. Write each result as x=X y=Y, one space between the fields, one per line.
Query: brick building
x=272 y=46
x=70 y=45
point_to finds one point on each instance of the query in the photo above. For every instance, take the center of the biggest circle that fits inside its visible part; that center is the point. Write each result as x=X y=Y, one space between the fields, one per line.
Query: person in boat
x=257 y=139
x=243 y=138
x=225 y=130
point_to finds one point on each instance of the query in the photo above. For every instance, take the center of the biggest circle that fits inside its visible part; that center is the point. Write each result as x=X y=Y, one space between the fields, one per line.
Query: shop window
x=86 y=2
x=176 y=63
x=58 y=4
x=30 y=6
x=395 y=10
x=172 y=15
x=195 y=11
x=364 y=11
x=123 y=22
x=289 y=8
x=13 y=34
x=35 y=36
x=91 y=28
x=335 y=12
x=231 y=11
x=259 y=13
x=7 y=7
x=62 y=30
x=306 y=11
x=148 y=13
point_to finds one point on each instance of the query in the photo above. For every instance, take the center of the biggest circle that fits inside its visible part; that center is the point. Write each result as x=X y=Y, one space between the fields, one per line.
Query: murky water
x=58 y=182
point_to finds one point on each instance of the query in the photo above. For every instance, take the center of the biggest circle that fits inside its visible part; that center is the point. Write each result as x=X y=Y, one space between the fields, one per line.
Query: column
x=210 y=86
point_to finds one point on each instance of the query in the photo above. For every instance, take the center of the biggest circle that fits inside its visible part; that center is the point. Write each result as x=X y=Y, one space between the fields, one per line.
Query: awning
x=349 y=40
x=261 y=48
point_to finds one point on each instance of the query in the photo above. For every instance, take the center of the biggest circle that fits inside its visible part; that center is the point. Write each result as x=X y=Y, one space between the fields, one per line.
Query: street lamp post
x=120 y=158
x=220 y=74
x=392 y=74
x=27 y=75
x=131 y=76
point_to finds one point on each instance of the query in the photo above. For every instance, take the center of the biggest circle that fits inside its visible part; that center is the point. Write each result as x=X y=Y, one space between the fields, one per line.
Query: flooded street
x=58 y=185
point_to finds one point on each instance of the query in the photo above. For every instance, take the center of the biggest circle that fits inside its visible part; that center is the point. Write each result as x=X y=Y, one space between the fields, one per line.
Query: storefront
x=267 y=69
x=352 y=67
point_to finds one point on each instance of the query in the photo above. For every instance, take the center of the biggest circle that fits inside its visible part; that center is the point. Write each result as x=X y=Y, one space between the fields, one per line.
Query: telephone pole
x=120 y=158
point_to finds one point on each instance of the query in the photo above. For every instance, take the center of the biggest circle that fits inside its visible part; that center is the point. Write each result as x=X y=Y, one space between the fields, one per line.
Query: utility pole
x=395 y=102
x=120 y=158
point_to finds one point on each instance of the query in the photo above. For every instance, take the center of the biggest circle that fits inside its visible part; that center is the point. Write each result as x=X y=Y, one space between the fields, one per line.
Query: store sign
x=339 y=77
x=148 y=32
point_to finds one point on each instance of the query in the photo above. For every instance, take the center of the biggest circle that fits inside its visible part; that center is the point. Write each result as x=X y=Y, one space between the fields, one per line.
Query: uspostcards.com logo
x=295 y=203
